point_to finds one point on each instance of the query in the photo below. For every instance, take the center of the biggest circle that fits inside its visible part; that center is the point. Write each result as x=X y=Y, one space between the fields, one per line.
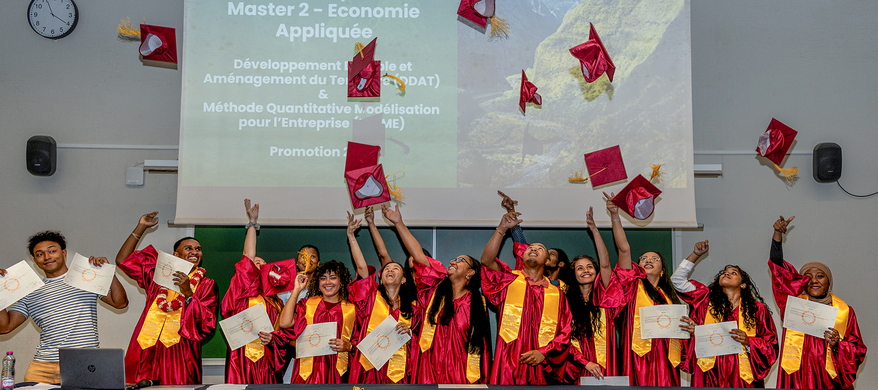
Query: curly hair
x=478 y=316
x=721 y=307
x=664 y=284
x=344 y=278
x=586 y=316
x=47 y=235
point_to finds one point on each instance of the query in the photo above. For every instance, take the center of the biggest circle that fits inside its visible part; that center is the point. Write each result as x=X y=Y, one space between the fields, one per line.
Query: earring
x=467 y=277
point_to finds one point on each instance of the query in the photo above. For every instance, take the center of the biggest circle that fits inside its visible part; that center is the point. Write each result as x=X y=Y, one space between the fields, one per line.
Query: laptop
x=92 y=368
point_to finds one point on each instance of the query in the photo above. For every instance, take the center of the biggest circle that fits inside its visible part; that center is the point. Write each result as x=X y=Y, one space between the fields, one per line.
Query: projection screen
x=266 y=116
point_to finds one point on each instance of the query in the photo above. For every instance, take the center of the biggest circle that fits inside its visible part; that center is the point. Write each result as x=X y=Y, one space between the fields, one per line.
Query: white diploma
x=662 y=322
x=314 y=340
x=244 y=327
x=85 y=276
x=809 y=317
x=607 y=381
x=382 y=342
x=19 y=281
x=715 y=340
x=165 y=267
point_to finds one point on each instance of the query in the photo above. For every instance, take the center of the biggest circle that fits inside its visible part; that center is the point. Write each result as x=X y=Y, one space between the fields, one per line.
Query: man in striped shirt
x=67 y=316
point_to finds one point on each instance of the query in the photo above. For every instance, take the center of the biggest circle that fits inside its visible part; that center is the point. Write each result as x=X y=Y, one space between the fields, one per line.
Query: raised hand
x=781 y=224
x=701 y=248
x=353 y=224
x=507 y=203
x=252 y=212
x=392 y=215
x=589 y=219
x=369 y=215
x=611 y=207
x=146 y=220
x=509 y=220
x=301 y=282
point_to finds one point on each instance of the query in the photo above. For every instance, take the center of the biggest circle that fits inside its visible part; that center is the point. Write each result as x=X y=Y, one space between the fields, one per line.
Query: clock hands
x=53 y=13
x=65 y=22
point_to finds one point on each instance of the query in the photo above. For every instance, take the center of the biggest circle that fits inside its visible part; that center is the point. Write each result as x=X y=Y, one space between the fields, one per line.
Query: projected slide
x=267 y=113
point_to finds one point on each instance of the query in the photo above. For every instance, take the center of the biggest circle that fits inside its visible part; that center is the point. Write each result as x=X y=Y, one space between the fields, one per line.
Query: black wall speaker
x=41 y=155
x=827 y=162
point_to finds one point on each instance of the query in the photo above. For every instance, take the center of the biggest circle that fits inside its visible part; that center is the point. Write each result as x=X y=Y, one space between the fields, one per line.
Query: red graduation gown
x=812 y=374
x=179 y=364
x=506 y=369
x=324 y=370
x=445 y=362
x=725 y=372
x=245 y=284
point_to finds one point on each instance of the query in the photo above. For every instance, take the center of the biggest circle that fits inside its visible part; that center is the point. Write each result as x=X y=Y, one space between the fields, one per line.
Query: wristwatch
x=254 y=224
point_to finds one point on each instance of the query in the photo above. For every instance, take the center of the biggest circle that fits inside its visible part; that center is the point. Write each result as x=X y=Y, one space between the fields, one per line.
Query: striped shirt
x=66 y=316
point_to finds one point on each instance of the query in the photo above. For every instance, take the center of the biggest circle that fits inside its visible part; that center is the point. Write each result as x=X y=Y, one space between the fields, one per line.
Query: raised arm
x=489 y=254
x=600 y=246
x=780 y=227
x=408 y=240
x=356 y=253
x=619 y=233
x=145 y=222
x=680 y=278
x=250 y=240
x=383 y=256
x=287 y=316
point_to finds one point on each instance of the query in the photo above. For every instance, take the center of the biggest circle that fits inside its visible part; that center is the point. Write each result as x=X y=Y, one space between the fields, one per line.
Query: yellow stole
x=512 y=310
x=397 y=362
x=744 y=370
x=254 y=350
x=160 y=325
x=428 y=331
x=640 y=346
x=600 y=340
x=306 y=365
x=794 y=341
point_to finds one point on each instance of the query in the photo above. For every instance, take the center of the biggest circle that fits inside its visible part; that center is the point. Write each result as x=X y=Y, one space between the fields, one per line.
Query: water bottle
x=8 y=375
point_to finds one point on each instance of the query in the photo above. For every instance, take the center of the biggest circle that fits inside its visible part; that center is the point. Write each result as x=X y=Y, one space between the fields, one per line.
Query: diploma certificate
x=314 y=340
x=19 y=281
x=165 y=267
x=244 y=327
x=607 y=381
x=85 y=276
x=382 y=342
x=662 y=322
x=809 y=317
x=715 y=340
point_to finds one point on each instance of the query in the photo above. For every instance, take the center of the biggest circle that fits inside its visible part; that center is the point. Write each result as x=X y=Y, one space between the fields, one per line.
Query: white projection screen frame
x=266 y=116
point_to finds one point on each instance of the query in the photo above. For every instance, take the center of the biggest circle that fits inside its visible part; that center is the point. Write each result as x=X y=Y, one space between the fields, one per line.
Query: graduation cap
x=605 y=166
x=637 y=198
x=476 y=11
x=528 y=93
x=775 y=141
x=593 y=57
x=364 y=73
x=278 y=277
x=158 y=43
x=364 y=176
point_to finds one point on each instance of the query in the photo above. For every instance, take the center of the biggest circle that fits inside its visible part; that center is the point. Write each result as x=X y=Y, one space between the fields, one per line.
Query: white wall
x=809 y=63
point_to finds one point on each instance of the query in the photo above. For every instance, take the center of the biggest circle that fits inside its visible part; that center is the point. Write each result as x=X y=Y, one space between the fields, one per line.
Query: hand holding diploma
x=16 y=282
x=167 y=270
x=815 y=319
x=718 y=339
x=246 y=326
x=383 y=341
x=320 y=339
x=93 y=274
x=663 y=322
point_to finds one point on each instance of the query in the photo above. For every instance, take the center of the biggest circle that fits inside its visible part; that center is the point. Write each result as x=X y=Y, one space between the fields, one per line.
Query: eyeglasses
x=650 y=259
x=460 y=259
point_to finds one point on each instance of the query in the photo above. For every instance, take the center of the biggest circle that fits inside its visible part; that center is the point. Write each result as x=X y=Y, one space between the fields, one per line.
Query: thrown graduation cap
x=158 y=43
x=594 y=60
x=364 y=176
x=278 y=277
x=528 y=93
x=774 y=143
x=637 y=198
x=605 y=166
x=361 y=156
x=364 y=73
x=476 y=11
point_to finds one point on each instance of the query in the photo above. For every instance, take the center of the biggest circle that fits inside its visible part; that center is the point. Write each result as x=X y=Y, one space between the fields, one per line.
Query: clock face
x=53 y=19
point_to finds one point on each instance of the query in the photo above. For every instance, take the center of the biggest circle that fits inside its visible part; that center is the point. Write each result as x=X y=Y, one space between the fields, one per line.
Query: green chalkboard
x=222 y=248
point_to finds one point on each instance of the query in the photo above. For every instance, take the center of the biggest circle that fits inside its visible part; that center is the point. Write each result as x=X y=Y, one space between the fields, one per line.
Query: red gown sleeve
x=300 y=321
x=494 y=283
x=245 y=284
x=696 y=297
x=620 y=291
x=849 y=353
x=519 y=248
x=785 y=281
x=199 y=316
x=140 y=266
x=360 y=290
x=763 y=347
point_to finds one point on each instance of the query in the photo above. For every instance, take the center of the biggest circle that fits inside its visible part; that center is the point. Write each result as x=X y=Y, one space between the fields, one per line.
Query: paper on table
x=314 y=340
x=85 y=276
x=382 y=342
x=165 y=267
x=607 y=381
x=245 y=326
x=809 y=317
x=715 y=340
x=19 y=281
x=662 y=322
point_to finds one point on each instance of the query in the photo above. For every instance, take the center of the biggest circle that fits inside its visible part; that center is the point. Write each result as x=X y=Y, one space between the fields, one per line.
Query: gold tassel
x=398 y=80
x=657 y=173
x=359 y=49
x=395 y=190
x=499 y=28
x=577 y=177
x=790 y=174
x=127 y=31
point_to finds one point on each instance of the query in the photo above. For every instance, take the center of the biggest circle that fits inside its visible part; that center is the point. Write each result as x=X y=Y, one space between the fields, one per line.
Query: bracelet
x=615 y=220
x=498 y=231
x=249 y=224
x=135 y=235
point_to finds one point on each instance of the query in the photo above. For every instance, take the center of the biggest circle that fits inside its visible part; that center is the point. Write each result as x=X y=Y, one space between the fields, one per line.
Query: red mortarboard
x=367 y=186
x=605 y=166
x=278 y=277
x=637 y=198
x=361 y=156
x=593 y=57
x=364 y=74
x=158 y=43
x=528 y=93
x=476 y=11
x=776 y=141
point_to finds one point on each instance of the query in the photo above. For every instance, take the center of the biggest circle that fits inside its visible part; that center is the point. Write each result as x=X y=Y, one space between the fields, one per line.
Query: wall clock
x=53 y=19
